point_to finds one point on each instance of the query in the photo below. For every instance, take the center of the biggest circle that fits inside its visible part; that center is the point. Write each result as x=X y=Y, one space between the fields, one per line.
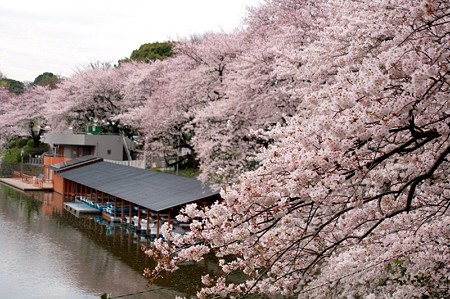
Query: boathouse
x=148 y=193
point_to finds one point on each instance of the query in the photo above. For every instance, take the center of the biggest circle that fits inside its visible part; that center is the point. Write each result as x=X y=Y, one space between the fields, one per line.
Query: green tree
x=26 y=147
x=47 y=79
x=150 y=52
x=14 y=86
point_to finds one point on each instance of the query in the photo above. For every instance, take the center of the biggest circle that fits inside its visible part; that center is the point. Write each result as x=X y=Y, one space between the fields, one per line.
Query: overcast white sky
x=60 y=36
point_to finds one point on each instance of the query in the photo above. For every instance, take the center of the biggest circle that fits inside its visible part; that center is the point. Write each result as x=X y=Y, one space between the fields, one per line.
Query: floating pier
x=80 y=209
x=111 y=218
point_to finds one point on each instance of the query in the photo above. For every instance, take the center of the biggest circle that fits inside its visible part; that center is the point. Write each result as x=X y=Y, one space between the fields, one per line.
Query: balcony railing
x=36 y=181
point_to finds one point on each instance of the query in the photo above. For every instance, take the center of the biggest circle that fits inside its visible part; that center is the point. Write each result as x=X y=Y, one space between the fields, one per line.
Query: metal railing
x=36 y=161
x=32 y=180
x=132 y=163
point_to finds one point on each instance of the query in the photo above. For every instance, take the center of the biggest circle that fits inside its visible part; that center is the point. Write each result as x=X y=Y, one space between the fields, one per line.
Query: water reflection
x=47 y=252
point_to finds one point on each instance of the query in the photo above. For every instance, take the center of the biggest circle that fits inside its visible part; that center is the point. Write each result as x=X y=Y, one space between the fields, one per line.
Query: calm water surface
x=45 y=252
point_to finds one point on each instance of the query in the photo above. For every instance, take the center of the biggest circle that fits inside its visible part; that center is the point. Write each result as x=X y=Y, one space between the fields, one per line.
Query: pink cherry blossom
x=351 y=195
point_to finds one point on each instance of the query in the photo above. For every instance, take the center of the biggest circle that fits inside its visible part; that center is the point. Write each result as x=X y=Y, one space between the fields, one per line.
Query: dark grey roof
x=74 y=163
x=150 y=189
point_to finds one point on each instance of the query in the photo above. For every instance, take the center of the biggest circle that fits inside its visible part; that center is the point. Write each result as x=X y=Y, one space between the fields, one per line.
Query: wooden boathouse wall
x=54 y=164
x=58 y=184
x=49 y=174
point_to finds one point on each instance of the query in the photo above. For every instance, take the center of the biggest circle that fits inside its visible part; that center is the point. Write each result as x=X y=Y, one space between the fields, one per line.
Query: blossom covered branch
x=352 y=196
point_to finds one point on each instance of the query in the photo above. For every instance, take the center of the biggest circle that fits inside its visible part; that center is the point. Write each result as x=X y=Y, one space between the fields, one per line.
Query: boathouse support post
x=149 y=233
x=139 y=218
x=115 y=207
x=122 y=212
x=168 y=217
x=157 y=224
x=130 y=214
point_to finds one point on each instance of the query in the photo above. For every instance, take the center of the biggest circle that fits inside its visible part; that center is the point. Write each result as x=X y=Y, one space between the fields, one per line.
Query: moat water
x=46 y=252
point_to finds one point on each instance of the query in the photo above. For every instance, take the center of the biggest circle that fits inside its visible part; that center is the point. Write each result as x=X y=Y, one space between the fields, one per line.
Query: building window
x=108 y=152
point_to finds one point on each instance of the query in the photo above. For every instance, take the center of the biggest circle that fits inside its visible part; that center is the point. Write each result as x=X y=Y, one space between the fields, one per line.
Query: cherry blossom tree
x=261 y=88
x=5 y=101
x=256 y=98
x=185 y=84
x=138 y=89
x=92 y=96
x=352 y=195
x=23 y=115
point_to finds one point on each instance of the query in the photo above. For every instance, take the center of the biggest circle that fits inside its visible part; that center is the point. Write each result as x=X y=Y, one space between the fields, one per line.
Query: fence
x=132 y=163
x=37 y=181
x=36 y=161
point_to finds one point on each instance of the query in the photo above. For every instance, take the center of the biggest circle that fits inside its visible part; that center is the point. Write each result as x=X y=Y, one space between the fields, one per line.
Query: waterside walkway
x=25 y=186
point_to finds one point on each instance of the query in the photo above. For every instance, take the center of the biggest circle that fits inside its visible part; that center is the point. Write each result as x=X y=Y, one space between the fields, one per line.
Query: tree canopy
x=47 y=79
x=12 y=85
x=151 y=52
x=351 y=197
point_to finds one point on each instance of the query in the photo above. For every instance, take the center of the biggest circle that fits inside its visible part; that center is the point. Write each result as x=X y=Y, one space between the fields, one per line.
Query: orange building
x=49 y=177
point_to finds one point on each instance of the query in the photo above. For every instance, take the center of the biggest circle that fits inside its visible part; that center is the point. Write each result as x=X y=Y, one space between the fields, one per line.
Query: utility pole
x=21 y=165
x=178 y=156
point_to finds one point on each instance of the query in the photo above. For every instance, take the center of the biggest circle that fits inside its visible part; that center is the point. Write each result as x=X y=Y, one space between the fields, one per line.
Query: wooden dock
x=24 y=185
x=80 y=209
